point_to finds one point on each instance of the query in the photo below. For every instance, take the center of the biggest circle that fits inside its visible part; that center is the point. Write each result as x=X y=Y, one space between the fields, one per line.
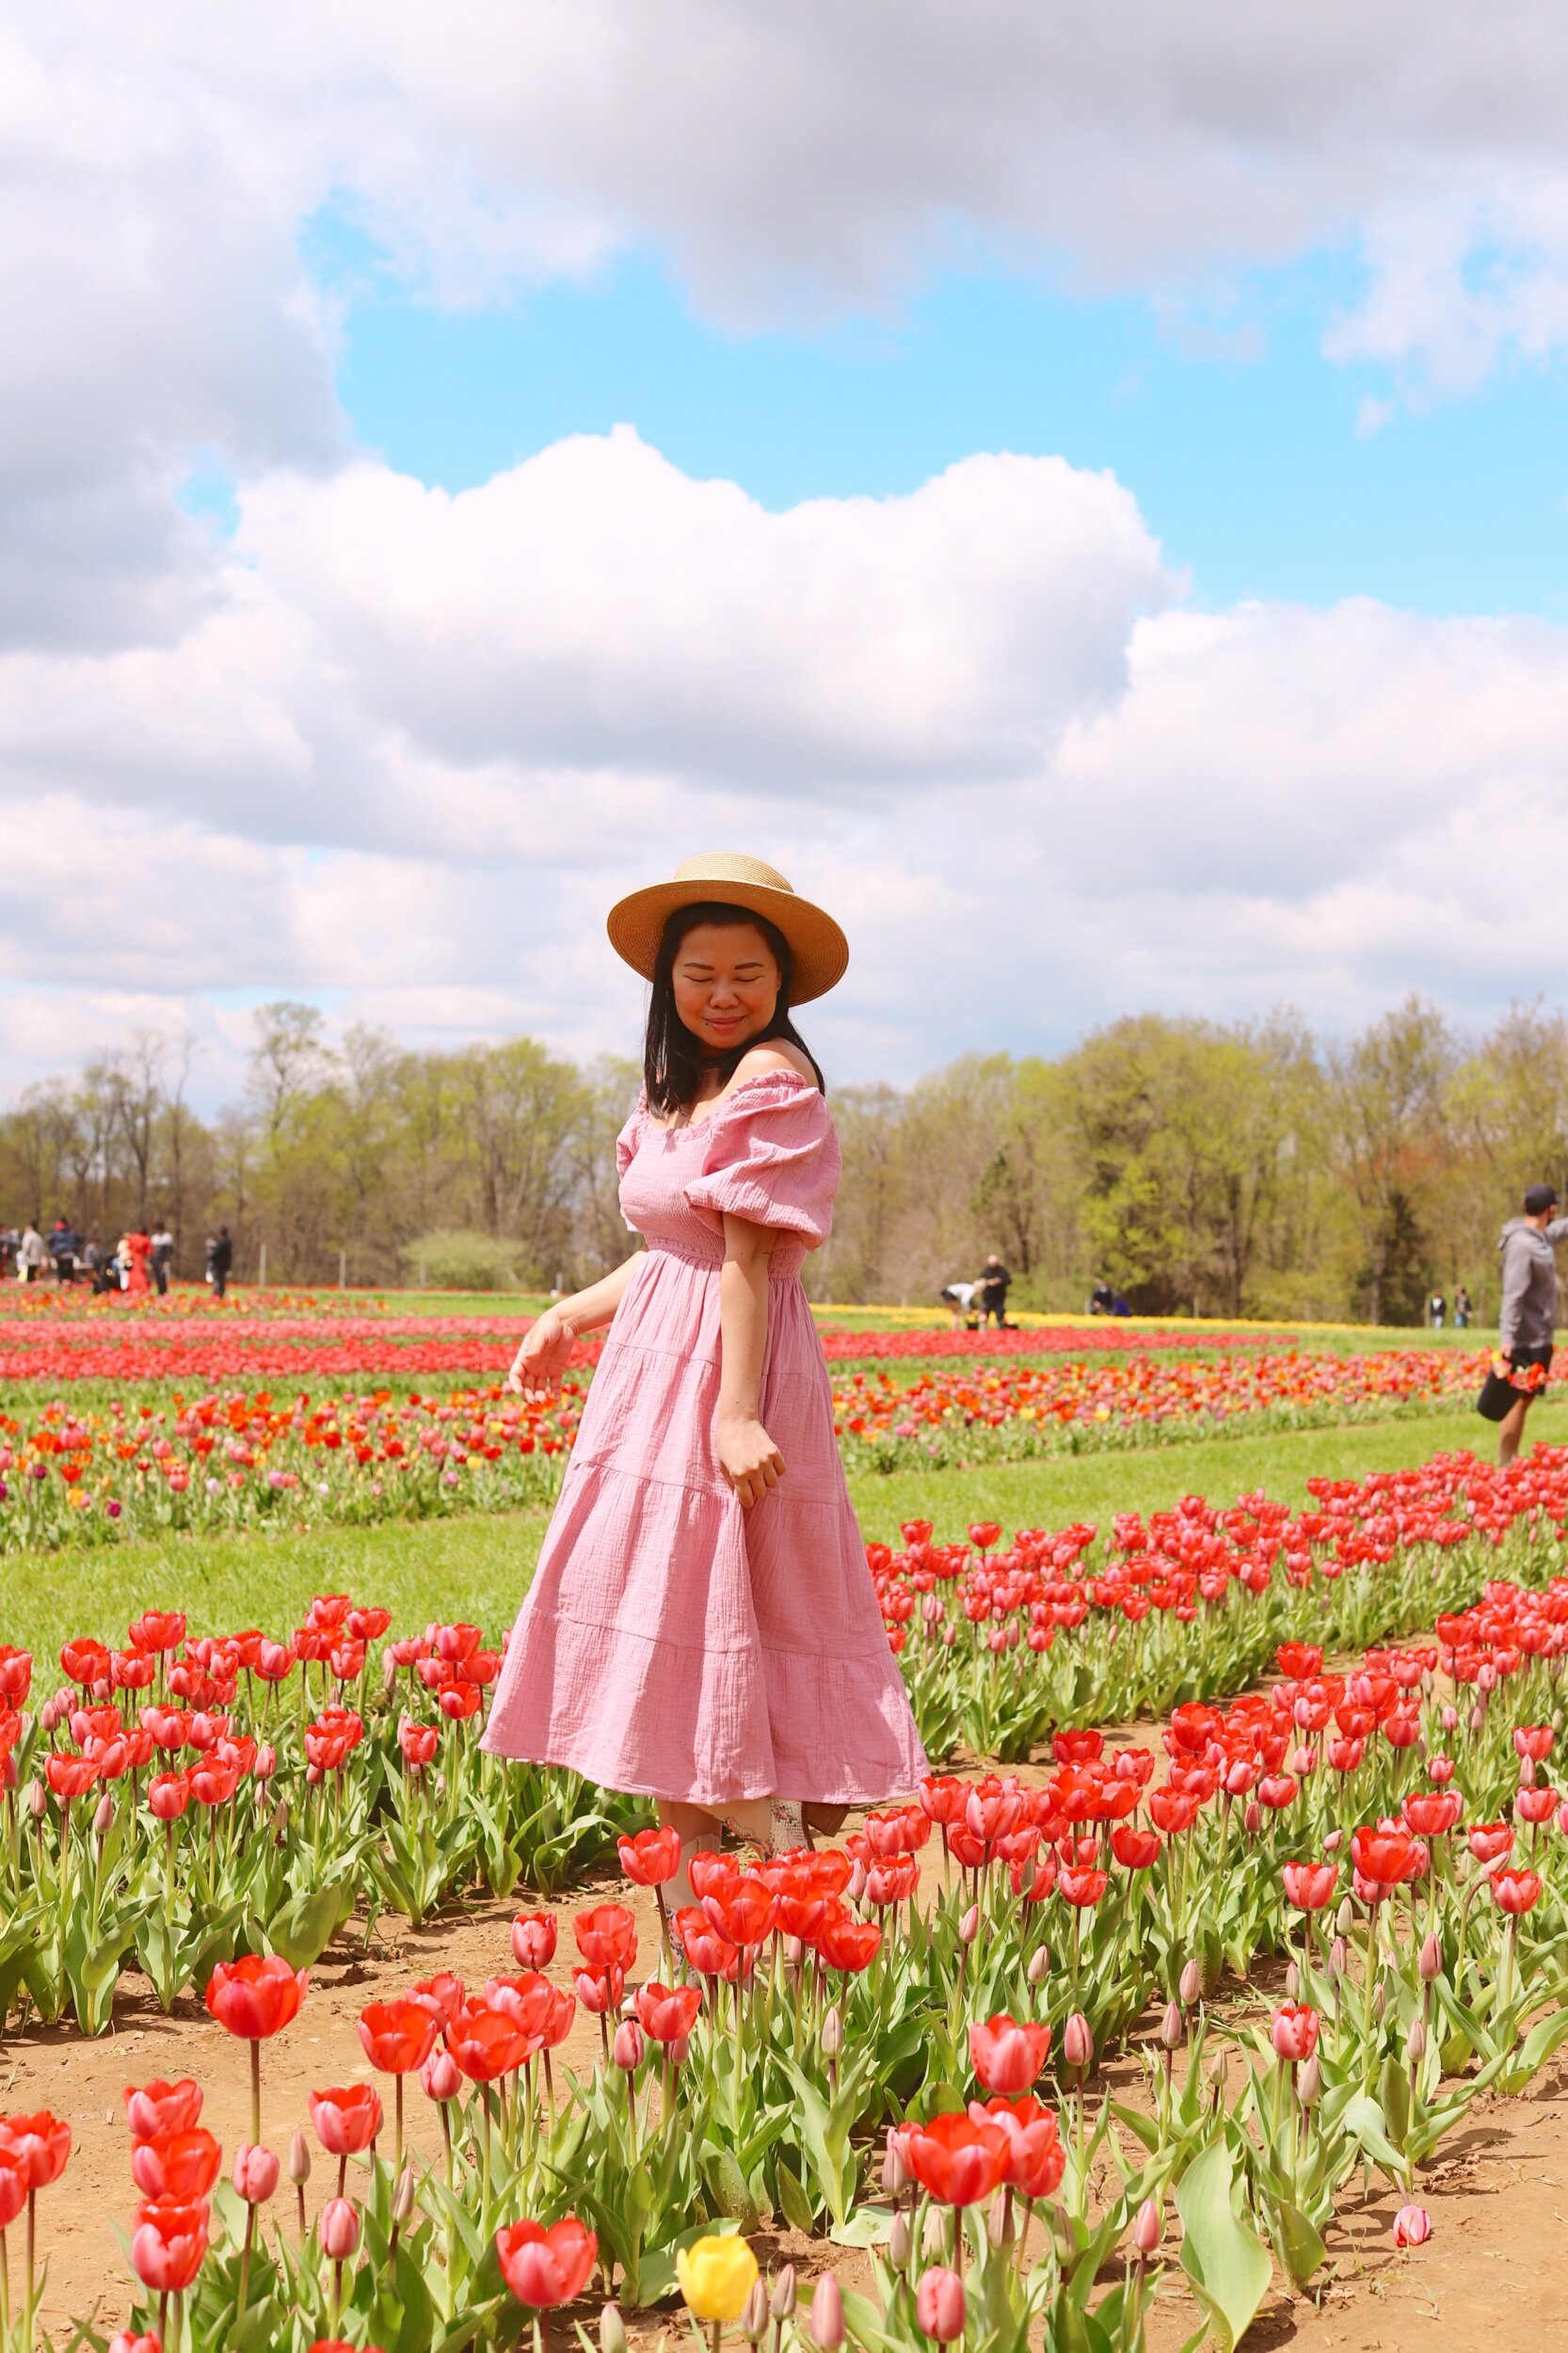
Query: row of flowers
x=183 y=1799
x=224 y=1457
x=898 y=2041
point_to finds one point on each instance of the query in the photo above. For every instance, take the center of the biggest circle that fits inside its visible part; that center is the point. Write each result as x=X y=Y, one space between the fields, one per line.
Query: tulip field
x=1238 y=1887
x=191 y=1417
x=1237 y=1893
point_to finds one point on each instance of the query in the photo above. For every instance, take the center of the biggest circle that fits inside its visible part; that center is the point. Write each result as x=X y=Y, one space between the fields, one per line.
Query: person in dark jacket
x=220 y=1258
x=994 y=1279
x=1527 y=1317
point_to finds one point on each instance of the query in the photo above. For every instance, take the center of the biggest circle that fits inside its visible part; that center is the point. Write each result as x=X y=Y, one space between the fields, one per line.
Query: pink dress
x=671 y=1642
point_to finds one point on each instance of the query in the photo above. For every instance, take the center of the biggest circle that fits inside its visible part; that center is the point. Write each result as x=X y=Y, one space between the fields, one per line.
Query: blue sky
x=1247 y=449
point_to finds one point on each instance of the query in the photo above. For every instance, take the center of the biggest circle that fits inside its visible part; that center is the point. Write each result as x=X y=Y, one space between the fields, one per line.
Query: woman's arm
x=547 y=1345
x=748 y=1456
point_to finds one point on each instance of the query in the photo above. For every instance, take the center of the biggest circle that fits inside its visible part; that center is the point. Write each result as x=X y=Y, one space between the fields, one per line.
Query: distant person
x=1102 y=1300
x=163 y=1255
x=1463 y=1309
x=994 y=1280
x=1527 y=1316
x=960 y=1298
x=220 y=1258
x=1119 y=1307
x=64 y=1242
x=137 y=1253
x=100 y=1266
x=1437 y=1308
x=31 y=1255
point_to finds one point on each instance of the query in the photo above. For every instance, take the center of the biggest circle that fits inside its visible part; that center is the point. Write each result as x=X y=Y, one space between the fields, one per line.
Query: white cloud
x=409 y=748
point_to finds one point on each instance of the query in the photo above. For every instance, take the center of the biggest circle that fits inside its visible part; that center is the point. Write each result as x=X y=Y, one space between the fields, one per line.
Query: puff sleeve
x=626 y=1142
x=773 y=1158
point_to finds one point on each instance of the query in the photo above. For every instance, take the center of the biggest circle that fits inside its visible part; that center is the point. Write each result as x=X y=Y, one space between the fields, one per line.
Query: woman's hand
x=546 y=1351
x=747 y=1457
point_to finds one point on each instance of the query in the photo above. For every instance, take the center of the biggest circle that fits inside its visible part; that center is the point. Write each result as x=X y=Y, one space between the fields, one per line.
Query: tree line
x=1199 y=1167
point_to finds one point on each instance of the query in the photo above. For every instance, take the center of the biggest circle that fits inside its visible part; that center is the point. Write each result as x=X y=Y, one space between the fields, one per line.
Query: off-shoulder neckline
x=722 y=1102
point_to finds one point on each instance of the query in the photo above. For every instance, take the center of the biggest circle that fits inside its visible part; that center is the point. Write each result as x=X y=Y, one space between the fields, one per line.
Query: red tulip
x=1432 y=1812
x=547 y=2268
x=606 y=1936
x=1295 y=2031
x=534 y=1938
x=1136 y=1849
x=484 y=2042
x=1516 y=1891
x=178 y=2167
x=255 y=2173
x=668 y=2012
x=417 y=1742
x=397 y=2037
x=347 y=2120
x=710 y=1954
x=1008 y=2055
x=13 y=2189
x=1388 y=1856
x=940 y=2308
x=652 y=1857
x=1490 y=1841
x=339 y=2230
x=1412 y=2227
x=256 y=1996
x=1310 y=1885
x=743 y=1910
x=40 y=2143
x=847 y=1943
x=1036 y=2157
x=442 y=1995
x=958 y=2160
x=169 y=2244
x=162 y=2107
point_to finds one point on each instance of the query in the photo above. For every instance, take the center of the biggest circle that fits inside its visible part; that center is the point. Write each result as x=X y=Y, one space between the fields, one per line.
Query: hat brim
x=819 y=952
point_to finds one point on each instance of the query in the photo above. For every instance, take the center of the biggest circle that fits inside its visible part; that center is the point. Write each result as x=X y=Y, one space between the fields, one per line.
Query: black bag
x=1497 y=1397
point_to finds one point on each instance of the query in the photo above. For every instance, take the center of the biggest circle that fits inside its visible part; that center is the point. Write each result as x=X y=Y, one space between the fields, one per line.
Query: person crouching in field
x=1527 y=1316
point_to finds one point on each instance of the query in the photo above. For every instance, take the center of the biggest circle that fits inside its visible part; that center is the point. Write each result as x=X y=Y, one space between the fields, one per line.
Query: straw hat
x=819 y=950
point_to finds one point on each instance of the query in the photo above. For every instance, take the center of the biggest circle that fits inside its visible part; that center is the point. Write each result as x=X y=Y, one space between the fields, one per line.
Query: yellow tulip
x=716 y=2276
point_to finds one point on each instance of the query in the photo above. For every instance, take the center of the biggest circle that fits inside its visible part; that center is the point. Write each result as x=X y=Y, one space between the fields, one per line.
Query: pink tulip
x=939 y=2305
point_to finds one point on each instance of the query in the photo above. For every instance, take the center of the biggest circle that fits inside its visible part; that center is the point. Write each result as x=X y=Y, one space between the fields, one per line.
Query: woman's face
x=725 y=979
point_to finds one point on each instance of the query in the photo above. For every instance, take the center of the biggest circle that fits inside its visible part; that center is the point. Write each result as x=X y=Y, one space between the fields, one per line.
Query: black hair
x=674 y=1062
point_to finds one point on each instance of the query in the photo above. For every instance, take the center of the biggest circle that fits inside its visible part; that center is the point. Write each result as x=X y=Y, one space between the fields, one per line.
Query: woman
x=702 y=1626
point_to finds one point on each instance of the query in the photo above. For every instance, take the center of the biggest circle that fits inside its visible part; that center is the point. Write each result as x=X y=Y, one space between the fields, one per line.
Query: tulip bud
x=37 y=1803
x=1293 y=1982
x=939 y=2305
x=629 y=2045
x=102 y=1817
x=1412 y=2227
x=969 y=1927
x=255 y=2174
x=403 y=2197
x=1527 y=1772
x=1078 y=2043
x=1449 y=1717
x=1172 y=2027
x=899 y=2244
x=440 y=2075
x=1332 y=1841
x=934 y=2238
x=857 y=1887
x=281 y=1821
x=1430 y=1963
x=1191 y=1984
x=612 y=2331
x=339 y=2231
x=1344 y=1919
x=1338 y=1957
x=1251 y=1820
x=1149 y=2228
x=1309 y=2080
x=300 y=2159
x=1415 y=2042
x=781 y=2303
x=794 y=1950
x=754 y=2319
x=676 y=2052
x=1039 y=1965
x=1380 y=2001
x=827 y=2322
x=388 y=1675
x=1477 y=1717
x=832 y=2031
x=895 y=2167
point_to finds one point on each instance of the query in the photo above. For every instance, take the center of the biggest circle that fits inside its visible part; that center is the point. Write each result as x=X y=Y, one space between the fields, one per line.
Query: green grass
x=478 y=1566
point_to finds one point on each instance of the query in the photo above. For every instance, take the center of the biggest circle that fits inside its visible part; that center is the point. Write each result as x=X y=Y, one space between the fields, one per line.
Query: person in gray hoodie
x=1527 y=1317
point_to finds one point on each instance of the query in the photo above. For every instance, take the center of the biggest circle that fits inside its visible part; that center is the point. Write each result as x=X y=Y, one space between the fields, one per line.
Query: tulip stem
x=245 y=2262
x=397 y=2110
x=256 y=2093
